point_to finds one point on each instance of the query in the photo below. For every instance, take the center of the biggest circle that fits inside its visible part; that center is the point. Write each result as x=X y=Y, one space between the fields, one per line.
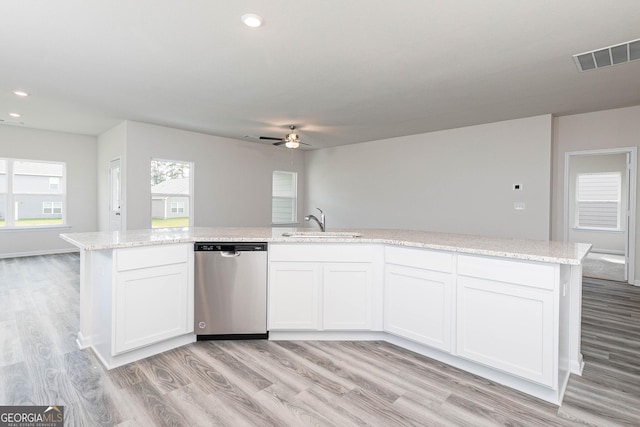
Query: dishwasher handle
x=230 y=254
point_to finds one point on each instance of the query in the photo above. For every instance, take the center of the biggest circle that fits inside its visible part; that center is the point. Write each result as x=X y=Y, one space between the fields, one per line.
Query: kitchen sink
x=321 y=234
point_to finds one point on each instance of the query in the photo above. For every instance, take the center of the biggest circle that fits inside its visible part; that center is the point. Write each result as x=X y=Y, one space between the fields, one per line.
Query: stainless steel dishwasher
x=230 y=291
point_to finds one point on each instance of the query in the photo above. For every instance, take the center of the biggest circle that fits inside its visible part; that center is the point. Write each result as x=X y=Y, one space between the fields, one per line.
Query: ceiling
x=342 y=71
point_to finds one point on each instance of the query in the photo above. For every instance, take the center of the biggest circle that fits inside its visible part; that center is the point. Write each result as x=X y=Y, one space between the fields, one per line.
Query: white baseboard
x=35 y=253
x=606 y=251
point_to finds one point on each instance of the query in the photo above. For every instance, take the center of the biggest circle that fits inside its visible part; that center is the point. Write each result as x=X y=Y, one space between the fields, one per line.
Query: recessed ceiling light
x=251 y=20
x=20 y=93
x=15 y=115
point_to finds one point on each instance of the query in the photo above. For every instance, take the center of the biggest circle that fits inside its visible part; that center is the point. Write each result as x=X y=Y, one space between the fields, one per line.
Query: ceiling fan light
x=292 y=144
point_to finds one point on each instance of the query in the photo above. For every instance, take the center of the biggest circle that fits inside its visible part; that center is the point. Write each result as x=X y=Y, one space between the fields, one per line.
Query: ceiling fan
x=292 y=140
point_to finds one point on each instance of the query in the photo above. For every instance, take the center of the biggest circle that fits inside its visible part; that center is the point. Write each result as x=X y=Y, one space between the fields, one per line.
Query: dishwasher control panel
x=224 y=247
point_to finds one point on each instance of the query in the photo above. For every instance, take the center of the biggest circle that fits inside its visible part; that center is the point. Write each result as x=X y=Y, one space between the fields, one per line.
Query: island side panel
x=575 y=352
x=84 y=334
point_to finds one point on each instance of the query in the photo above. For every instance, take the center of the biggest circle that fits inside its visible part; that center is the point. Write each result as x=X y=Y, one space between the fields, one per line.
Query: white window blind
x=284 y=197
x=598 y=204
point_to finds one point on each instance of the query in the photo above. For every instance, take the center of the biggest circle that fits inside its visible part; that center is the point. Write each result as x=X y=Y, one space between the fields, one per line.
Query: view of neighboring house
x=34 y=192
x=170 y=199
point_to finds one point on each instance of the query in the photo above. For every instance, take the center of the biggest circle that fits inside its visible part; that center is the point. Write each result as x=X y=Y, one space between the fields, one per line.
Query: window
x=54 y=183
x=32 y=193
x=170 y=193
x=177 y=207
x=51 y=208
x=598 y=204
x=284 y=197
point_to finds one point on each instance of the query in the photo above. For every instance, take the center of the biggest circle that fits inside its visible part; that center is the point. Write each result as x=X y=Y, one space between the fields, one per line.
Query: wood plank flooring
x=263 y=383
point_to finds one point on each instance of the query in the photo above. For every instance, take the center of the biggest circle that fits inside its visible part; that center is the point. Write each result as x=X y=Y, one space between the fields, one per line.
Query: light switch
x=519 y=206
x=517 y=187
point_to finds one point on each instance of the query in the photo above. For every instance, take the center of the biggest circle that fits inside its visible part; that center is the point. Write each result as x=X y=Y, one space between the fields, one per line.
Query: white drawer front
x=419 y=258
x=322 y=252
x=151 y=256
x=543 y=276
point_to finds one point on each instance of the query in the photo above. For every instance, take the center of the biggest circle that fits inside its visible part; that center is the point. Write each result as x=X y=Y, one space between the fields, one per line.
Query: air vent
x=605 y=57
x=10 y=122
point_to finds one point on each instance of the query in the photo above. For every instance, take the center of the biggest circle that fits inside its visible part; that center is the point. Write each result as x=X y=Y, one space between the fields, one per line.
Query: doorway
x=600 y=189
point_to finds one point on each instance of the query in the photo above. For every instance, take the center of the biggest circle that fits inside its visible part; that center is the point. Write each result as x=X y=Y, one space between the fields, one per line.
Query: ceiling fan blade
x=272 y=139
x=278 y=143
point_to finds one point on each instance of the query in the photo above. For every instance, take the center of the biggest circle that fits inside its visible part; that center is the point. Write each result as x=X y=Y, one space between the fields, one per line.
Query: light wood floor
x=261 y=383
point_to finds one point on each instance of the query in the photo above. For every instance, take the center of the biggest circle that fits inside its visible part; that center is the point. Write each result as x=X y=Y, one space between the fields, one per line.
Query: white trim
x=606 y=252
x=36 y=253
x=594 y=229
x=631 y=206
x=20 y=228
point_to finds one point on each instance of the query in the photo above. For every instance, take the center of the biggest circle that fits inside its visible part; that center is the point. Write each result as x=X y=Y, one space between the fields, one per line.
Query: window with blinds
x=598 y=204
x=284 y=197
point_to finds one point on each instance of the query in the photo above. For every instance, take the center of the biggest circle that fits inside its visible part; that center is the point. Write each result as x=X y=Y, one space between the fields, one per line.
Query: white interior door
x=115 y=196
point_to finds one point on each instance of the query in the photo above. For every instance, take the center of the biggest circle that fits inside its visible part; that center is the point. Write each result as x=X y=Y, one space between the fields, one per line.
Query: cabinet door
x=151 y=304
x=294 y=296
x=418 y=305
x=347 y=296
x=507 y=326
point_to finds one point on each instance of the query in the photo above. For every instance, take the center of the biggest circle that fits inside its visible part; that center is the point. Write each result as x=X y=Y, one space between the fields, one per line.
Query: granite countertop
x=532 y=250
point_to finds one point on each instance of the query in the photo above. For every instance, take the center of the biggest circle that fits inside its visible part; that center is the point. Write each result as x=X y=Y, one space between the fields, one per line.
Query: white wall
x=457 y=181
x=602 y=241
x=79 y=153
x=232 y=178
x=111 y=145
x=617 y=128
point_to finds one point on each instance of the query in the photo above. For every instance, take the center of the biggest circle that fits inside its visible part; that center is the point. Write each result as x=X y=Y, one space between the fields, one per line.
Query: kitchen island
x=505 y=309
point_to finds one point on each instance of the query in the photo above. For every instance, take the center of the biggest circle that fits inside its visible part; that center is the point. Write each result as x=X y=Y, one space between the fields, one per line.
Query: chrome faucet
x=319 y=221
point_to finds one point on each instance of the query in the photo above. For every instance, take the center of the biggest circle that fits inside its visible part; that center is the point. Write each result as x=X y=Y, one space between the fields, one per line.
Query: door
x=588 y=184
x=151 y=305
x=115 y=196
x=294 y=296
x=347 y=302
x=418 y=305
x=508 y=327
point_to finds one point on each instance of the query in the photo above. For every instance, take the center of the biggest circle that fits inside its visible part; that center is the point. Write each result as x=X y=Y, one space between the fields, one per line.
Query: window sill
x=35 y=228
x=599 y=230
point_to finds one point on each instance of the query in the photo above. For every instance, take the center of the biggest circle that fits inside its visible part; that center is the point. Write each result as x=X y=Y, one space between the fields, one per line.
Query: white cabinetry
x=508 y=316
x=418 y=295
x=347 y=296
x=152 y=302
x=294 y=293
x=325 y=287
x=145 y=300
